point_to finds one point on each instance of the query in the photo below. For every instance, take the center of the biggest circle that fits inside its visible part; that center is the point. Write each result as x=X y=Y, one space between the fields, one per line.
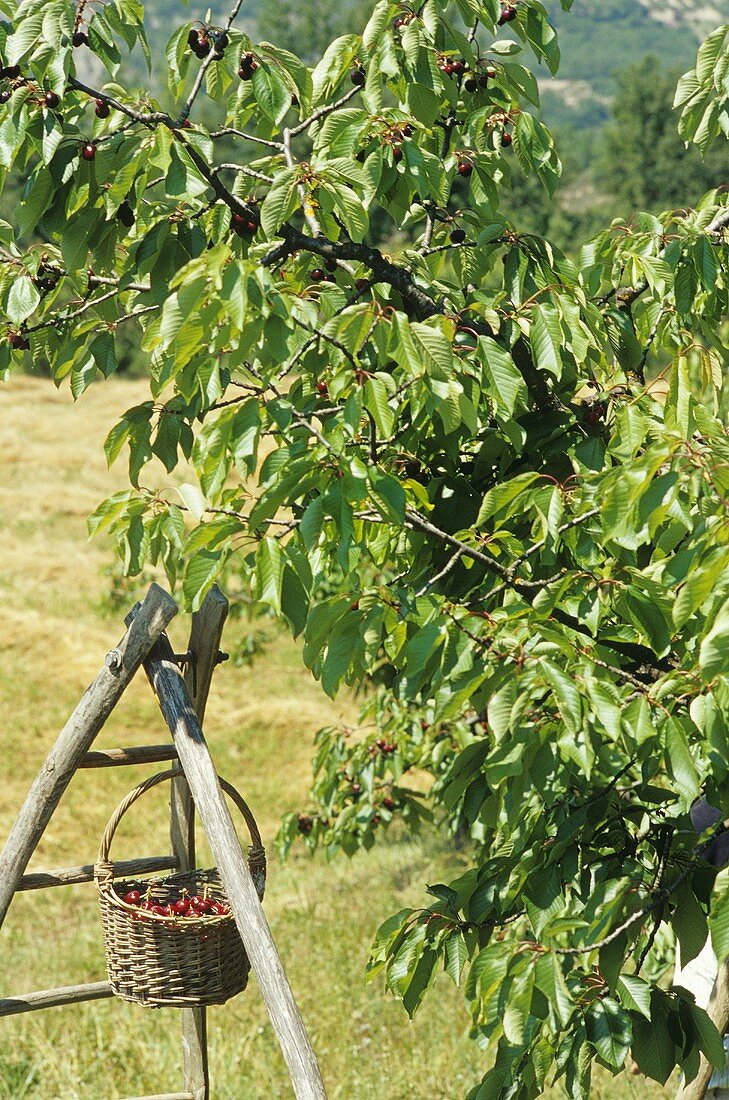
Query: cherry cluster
x=203 y=40
x=247 y=65
x=246 y=225
x=47 y=277
x=387 y=748
x=196 y=905
x=458 y=67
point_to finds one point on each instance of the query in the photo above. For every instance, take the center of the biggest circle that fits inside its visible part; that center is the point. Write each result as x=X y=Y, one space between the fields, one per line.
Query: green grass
x=260 y=727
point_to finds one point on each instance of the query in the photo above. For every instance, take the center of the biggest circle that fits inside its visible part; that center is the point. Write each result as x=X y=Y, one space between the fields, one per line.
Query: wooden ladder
x=182 y=700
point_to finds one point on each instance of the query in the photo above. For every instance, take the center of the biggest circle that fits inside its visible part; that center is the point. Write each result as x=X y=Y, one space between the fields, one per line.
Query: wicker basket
x=170 y=961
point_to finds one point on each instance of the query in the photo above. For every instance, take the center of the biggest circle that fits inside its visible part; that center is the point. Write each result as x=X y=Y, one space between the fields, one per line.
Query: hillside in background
x=600 y=38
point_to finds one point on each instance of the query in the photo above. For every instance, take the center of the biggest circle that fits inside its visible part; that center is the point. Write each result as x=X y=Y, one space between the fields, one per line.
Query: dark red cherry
x=125 y=214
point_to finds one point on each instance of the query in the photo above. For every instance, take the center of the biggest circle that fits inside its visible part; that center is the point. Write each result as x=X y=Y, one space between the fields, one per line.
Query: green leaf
x=708 y=1039
x=689 y=924
x=635 y=994
x=280 y=202
x=23 y=299
x=543 y=343
x=719 y=915
x=456 y=956
x=549 y=977
x=714 y=651
x=201 y=573
x=566 y=693
x=423 y=976
x=271 y=93
x=609 y=1030
x=269 y=572
x=652 y=1046
x=388 y=496
x=502 y=379
x=680 y=760
x=434 y=350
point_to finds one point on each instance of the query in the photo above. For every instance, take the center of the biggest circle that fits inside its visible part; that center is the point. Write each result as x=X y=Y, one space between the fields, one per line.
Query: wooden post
x=179 y=713
x=203 y=648
x=719 y=1012
x=74 y=741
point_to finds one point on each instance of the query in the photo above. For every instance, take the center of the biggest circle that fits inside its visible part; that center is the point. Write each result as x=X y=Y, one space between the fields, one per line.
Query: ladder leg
x=194 y=1025
x=205 y=635
x=145 y=625
x=174 y=701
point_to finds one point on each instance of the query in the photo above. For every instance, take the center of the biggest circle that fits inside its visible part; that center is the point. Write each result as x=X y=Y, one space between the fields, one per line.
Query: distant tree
x=645 y=164
x=307 y=27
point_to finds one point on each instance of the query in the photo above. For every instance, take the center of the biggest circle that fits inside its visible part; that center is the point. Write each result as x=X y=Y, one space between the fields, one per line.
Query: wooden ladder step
x=165 y=1096
x=54 y=998
x=140 y=754
x=68 y=876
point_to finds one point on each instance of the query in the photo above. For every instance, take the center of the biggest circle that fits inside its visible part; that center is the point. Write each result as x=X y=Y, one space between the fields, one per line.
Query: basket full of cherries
x=173 y=941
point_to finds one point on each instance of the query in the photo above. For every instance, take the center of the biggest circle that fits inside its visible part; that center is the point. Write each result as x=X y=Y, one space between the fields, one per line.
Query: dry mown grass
x=260 y=724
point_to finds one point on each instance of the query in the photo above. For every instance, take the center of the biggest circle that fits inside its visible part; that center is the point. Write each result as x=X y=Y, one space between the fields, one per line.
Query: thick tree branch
x=383 y=270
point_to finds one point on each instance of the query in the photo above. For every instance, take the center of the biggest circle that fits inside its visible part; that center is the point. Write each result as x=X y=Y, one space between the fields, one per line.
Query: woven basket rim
x=108 y=892
x=104 y=867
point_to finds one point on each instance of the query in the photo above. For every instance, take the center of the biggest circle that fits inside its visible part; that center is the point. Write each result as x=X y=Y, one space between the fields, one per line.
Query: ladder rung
x=68 y=876
x=140 y=754
x=54 y=998
x=165 y=1096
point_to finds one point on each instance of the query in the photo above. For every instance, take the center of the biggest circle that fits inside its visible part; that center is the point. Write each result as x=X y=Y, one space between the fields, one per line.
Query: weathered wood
x=206 y=633
x=165 y=1096
x=69 y=876
x=205 y=636
x=55 y=998
x=138 y=754
x=719 y=1012
x=77 y=736
x=179 y=713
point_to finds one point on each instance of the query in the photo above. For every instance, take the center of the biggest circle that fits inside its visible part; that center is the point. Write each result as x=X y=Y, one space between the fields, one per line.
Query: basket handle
x=257 y=850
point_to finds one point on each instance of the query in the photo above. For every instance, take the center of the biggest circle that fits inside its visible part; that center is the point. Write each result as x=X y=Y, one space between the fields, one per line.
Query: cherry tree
x=486 y=480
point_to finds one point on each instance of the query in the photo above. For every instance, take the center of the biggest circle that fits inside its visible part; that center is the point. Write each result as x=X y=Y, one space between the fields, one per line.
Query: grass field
x=53 y=636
